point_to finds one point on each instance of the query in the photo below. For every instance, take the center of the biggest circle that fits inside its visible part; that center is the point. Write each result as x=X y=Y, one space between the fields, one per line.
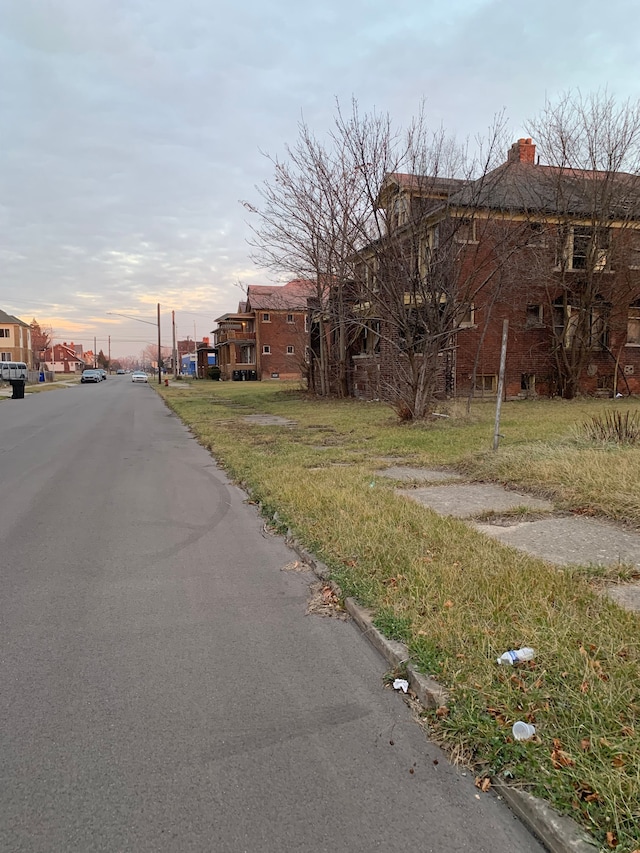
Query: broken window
x=534 y=316
x=583 y=247
x=465 y=231
x=528 y=383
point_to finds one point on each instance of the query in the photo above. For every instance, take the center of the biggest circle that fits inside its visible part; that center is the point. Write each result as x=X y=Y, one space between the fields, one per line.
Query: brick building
x=267 y=337
x=555 y=251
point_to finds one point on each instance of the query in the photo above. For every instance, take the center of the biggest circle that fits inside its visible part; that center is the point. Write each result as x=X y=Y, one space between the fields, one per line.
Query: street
x=162 y=688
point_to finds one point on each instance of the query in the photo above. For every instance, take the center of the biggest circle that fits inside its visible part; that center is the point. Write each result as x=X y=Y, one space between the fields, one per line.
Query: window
x=266 y=350
x=599 y=326
x=486 y=383
x=467 y=317
x=370 y=338
x=566 y=323
x=528 y=383
x=5 y=356
x=306 y=323
x=5 y=333
x=534 y=316
x=584 y=248
x=289 y=318
x=428 y=246
x=399 y=211
x=266 y=318
x=633 y=324
x=465 y=231
x=290 y=350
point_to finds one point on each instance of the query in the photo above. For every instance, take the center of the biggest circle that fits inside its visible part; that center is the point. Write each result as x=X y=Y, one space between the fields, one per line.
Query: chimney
x=522 y=151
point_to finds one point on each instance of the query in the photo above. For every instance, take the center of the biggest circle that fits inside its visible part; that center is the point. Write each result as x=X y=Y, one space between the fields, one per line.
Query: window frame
x=634 y=308
x=266 y=317
x=266 y=349
x=465 y=241
x=291 y=350
x=479 y=388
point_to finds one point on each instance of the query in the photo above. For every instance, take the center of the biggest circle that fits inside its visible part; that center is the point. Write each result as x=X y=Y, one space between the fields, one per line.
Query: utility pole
x=159 y=350
x=175 y=352
x=94 y=353
x=503 y=363
x=109 y=363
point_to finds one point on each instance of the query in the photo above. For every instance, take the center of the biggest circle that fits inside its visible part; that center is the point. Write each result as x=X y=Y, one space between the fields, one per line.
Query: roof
x=9 y=318
x=550 y=189
x=286 y=297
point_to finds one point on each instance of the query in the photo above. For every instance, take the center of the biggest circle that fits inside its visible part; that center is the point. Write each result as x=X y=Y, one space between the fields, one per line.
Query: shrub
x=613 y=426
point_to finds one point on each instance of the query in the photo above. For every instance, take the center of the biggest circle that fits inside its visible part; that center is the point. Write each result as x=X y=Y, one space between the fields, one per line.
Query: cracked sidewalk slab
x=467 y=500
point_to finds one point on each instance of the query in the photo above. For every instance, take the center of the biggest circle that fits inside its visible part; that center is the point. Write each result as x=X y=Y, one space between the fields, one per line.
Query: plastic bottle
x=516 y=656
x=523 y=731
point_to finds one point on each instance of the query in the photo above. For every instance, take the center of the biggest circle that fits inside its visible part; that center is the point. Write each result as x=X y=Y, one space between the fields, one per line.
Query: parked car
x=120 y=372
x=91 y=375
x=139 y=376
x=103 y=372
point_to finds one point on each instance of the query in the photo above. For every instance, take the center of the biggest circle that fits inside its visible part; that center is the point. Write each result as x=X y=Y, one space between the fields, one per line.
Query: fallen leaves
x=560 y=758
x=324 y=601
x=612 y=839
x=483 y=782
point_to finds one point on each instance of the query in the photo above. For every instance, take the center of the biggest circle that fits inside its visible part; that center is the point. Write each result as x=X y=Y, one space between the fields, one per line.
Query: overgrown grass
x=457 y=598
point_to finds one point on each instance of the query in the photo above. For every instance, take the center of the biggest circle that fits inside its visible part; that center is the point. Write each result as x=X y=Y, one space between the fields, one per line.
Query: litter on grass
x=401 y=684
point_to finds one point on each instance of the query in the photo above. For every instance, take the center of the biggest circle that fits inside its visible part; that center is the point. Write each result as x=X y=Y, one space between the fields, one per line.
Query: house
x=65 y=358
x=555 y=251
x=267 y=337
x=15 y=339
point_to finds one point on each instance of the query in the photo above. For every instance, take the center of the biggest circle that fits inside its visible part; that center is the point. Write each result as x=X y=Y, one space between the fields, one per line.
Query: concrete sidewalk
x=559 y=538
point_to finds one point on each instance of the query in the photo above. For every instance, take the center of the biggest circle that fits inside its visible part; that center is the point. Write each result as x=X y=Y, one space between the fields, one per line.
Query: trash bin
x=17 y=386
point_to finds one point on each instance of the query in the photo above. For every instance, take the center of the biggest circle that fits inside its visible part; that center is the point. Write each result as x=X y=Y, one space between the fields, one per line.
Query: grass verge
x=457 y=598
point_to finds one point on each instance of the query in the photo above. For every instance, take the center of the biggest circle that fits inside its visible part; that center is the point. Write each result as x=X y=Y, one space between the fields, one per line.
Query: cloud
x=131 y=128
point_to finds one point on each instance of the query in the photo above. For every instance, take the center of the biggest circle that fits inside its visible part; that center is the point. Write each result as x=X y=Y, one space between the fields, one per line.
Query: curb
x=558 y=833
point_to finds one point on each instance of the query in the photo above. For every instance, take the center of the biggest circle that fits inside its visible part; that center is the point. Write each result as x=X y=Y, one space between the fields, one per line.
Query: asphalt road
x=161 y=688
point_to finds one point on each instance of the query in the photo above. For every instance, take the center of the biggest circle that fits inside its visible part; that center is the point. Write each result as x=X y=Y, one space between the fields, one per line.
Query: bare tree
x=395 y=228
x=304 y=229
x=40 y=341
x=590 y=192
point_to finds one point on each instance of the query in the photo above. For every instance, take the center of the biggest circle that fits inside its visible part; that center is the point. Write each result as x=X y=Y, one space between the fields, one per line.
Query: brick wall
x=278 y=334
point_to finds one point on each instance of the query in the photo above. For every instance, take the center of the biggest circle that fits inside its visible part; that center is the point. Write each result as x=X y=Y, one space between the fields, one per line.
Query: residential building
x=64 y=358
x=15 y=339
x=555 y=251
x=267 y=337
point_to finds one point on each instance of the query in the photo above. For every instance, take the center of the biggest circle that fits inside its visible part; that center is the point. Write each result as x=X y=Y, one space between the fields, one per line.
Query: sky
x=130 y=130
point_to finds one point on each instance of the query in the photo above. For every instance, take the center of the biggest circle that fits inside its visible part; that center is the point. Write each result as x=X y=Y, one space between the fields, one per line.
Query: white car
x=139 y=376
